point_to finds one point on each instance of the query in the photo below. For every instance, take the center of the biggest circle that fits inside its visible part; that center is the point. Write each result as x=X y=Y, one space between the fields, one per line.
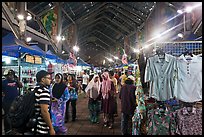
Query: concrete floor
x=82 y=126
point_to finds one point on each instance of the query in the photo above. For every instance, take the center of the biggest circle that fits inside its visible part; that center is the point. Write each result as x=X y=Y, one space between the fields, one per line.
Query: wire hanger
x=160 y=53
x=187 y=52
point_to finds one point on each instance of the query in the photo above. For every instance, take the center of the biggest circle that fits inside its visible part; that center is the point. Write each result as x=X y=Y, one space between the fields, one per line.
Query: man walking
x=42 y=102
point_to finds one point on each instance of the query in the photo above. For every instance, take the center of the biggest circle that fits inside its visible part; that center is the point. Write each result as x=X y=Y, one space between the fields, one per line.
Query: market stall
x=25 y=66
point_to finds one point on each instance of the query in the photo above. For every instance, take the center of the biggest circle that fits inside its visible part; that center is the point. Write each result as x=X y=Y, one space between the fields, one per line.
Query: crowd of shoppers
x=54 y=97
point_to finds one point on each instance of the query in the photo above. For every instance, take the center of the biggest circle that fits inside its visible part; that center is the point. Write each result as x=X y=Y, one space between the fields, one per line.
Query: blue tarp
x=50 y=55
x=59 y=60
x=14 y=50
x=38 y=48
x=9 y=39
x=80 y=62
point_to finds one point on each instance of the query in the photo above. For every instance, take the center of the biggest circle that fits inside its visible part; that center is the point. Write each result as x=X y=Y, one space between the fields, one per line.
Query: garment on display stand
x=188 y=85
x=139 y=117
x=161 y=75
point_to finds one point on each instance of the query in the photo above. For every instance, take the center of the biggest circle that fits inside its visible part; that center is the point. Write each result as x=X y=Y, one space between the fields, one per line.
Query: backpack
x=22 y=111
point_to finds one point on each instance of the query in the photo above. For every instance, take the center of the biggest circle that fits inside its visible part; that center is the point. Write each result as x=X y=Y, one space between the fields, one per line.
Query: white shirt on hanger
x=188 y=86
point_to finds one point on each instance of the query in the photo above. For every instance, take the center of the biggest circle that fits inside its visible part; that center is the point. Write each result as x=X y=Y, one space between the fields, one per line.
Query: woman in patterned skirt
x=60 y=95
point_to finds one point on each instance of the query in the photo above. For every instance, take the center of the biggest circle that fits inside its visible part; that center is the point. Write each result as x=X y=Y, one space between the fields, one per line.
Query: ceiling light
x=76 y=48
x=8 y=60
x=136 y=50
x=29 y=17
x=110 y=60
x=158 y=36
x=188 y=9
x=180 y=35
x=170 y=4
x=58 y=38
x=179 y=11
x=146 y=46
x=50 y=4
x=115 y=57
x=63 y=38
x=20 y=17
x=104 y=61
x=28 y=39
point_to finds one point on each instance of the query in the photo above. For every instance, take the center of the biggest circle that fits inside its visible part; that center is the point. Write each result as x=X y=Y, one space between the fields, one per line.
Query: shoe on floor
x=105 y=124
x=111 y=126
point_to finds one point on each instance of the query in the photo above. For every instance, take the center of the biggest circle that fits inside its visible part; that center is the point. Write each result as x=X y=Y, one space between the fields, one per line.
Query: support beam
x=127 y=9
x=101 y=22
x=67 y=15
x=103 y=7
x=5 y=12
x=45 y=11
x=99 y=45
x=111 y=8
x=90 y=14
x=197 y=24
x=106 y=18
x=106 y=36
x=143 y=24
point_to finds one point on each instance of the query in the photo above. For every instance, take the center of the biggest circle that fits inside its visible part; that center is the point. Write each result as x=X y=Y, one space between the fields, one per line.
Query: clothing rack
x=178 y=48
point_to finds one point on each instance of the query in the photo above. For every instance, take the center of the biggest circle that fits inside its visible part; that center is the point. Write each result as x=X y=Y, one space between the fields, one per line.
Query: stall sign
x=38 y=60
x=29 y=59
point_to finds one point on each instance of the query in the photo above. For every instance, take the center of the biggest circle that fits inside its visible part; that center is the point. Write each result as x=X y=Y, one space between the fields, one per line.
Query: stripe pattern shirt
x=42 y=96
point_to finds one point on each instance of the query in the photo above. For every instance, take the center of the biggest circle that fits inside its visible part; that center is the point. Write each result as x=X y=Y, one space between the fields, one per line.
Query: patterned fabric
x=136 y=123
x=94 y=109
x=158 y=123
x=58 y=111
x=139 y=117
x=73 y=94
x=189 y=122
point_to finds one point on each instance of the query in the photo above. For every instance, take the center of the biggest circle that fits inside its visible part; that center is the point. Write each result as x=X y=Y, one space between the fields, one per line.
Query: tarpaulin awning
x=80 y=62
x=15 y=50
x=50 y=55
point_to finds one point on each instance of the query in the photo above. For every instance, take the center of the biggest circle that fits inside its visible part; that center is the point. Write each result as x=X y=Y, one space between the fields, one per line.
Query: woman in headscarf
x=93 y=92
x=108 y=91
x=60 y=95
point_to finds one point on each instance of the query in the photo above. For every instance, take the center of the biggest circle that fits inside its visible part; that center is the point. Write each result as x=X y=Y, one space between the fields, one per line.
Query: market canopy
x=9 y=39
x=80 y=62
x=38 y=48
x=51 y=55
x=15 y=50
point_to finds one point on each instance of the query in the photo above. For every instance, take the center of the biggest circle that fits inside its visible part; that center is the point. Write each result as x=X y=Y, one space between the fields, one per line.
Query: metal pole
x=19 y=70
x=184 y=24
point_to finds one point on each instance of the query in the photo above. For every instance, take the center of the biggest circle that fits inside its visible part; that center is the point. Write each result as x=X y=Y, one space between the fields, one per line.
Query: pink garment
x=106 y=85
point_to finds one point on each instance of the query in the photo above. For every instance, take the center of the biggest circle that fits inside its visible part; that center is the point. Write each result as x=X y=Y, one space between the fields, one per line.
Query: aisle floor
x=82 y=126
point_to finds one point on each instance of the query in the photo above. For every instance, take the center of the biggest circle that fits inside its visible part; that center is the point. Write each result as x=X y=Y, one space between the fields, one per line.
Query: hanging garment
x=161 y=75
x=188 y=86
x=189 y=121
